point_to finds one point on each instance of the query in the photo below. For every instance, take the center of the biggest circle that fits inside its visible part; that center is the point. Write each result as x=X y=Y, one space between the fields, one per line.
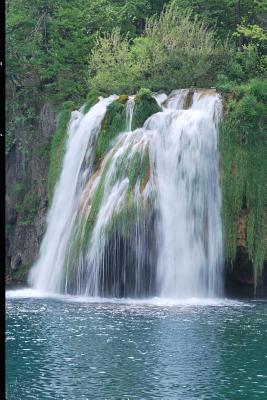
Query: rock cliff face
x=26 y=197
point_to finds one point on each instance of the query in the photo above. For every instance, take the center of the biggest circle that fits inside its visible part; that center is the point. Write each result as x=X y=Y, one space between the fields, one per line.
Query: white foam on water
x=28 y=293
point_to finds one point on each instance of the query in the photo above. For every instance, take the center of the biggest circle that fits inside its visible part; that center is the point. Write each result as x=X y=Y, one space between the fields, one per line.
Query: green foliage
x=253 y=32
x=255 y=40
x=243 y=155
x=110 y=64
x=49 y=40
x=47 y=46
x=175 y=51
x=223 y=15
x=243 y=66
x=144 y=106
x=145 y=170
x=135 y=165
x=58 y=147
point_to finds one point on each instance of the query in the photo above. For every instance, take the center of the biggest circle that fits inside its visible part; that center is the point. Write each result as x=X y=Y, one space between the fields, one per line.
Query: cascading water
x=47 y=272
x=189 y=232
x=147 y=221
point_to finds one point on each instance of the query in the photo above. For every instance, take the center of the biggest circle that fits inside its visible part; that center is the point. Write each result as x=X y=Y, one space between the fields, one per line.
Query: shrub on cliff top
x=175 y=51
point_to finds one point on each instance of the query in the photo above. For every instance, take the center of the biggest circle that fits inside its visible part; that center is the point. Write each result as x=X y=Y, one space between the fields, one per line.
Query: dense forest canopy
x=49 y=43
x=61 y=50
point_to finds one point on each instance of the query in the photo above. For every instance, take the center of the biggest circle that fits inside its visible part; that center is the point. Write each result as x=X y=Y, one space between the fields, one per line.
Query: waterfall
x=147 y=221
x=46 y=273
x=189 y=201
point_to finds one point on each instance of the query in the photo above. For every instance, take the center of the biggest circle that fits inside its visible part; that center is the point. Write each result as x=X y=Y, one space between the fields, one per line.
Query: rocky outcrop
x=239 y=275
x=26 y=197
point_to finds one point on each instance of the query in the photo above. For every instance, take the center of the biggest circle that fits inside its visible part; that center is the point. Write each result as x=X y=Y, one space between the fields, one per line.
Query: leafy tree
x=175 y=51
x=47 y=46
x=225 y=15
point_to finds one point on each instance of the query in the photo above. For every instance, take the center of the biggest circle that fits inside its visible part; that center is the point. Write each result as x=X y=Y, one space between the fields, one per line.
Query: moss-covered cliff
x=243 y=181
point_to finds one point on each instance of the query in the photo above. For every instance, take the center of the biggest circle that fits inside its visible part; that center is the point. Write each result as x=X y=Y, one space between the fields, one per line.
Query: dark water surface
x=69 y=348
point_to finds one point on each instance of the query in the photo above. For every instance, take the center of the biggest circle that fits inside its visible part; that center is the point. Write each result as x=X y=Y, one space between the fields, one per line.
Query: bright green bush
x=110 y=64
x=176 y=51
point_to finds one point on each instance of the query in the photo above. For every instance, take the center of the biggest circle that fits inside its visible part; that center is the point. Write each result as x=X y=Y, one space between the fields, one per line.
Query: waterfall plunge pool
x=69 y=347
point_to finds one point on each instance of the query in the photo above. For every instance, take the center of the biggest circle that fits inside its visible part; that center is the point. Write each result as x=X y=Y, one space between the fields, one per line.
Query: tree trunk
x=240 y=40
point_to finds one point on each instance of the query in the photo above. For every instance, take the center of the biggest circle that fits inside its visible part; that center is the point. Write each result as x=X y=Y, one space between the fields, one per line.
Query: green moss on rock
x=145 y=105
x=123 y=99
x=113 y=123
x=88 y=224
x=84 y=227
x=25 y=201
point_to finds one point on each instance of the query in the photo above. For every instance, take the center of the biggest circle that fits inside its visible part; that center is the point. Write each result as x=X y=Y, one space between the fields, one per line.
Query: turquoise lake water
x=74 y=348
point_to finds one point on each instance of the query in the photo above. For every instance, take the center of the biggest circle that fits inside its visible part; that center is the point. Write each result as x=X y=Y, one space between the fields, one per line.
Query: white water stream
x=189 y=201
x=47 y=271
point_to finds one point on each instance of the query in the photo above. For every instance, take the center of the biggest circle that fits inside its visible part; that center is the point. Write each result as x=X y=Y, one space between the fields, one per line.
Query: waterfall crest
x=146 y=221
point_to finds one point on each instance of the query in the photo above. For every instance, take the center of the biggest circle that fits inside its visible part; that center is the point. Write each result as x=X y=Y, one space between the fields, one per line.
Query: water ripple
x=64 y=348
